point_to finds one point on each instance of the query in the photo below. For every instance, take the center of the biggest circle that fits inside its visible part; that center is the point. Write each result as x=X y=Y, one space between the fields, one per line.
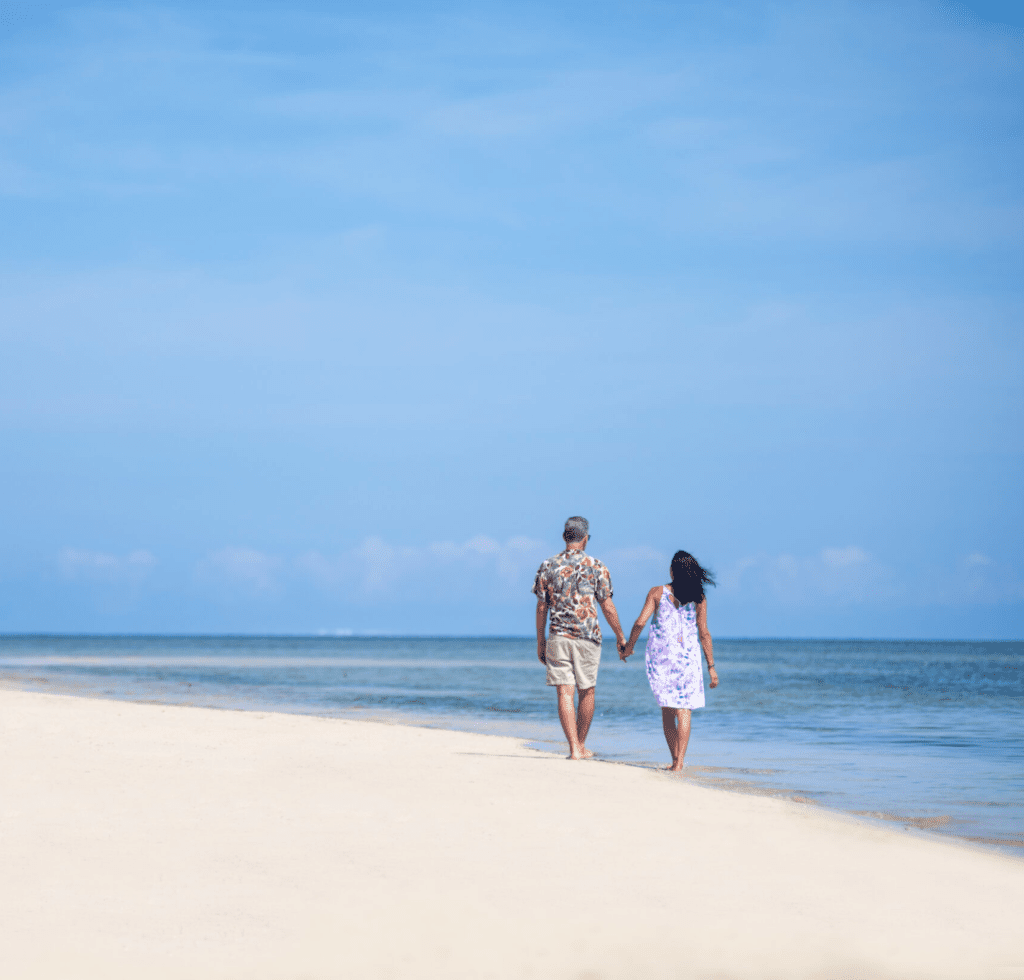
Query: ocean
x=927 y=735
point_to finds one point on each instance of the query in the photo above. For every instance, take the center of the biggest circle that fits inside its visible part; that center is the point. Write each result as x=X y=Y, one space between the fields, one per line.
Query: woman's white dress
x=673 y=655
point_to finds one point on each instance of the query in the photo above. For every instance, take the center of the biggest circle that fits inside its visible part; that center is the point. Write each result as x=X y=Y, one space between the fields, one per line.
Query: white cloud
x=844 y=574
x=244 y=568
x=985 y=581
x=475 y=548
x=508 y=561
x=480 y=566
x=519 y=555
x=850 y=575
x=375 y=566
x=382 y=564
x=100 y=566
x=322 y=571
x=843 y=557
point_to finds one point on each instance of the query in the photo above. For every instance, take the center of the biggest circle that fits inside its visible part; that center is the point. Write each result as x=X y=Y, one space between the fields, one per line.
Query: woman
x=673 y=654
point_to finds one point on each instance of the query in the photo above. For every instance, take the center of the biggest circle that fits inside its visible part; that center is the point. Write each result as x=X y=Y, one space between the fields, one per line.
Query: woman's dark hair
x=688 y=578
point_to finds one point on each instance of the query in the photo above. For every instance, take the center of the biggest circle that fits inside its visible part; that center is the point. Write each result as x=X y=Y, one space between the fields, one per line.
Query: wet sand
x=157 y=841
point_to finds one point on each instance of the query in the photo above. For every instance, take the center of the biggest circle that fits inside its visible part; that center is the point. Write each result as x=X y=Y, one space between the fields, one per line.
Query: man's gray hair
x=576 y=529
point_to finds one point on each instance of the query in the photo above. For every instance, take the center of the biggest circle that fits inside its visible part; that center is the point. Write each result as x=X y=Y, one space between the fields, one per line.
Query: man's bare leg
x=584 y=716
x=567 y=716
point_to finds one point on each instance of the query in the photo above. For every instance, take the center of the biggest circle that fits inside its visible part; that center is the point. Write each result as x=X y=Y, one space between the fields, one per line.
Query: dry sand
x=144 y=841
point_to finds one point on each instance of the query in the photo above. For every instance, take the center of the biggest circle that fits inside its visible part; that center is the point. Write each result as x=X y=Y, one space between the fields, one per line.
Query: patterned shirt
x=572 y=584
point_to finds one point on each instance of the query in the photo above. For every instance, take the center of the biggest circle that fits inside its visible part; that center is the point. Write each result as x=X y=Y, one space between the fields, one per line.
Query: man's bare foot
x=582 y=754
x=675 y=767
x=587 y=754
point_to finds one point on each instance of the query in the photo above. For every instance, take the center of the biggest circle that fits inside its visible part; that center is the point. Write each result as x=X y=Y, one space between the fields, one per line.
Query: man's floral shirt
x=572 y=584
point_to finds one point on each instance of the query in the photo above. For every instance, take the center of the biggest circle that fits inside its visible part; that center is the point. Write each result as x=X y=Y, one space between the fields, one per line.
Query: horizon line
x=374 y=635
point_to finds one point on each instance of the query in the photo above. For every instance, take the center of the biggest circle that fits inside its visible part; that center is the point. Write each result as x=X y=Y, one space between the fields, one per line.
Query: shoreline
x=171 y=840
x=694 y=775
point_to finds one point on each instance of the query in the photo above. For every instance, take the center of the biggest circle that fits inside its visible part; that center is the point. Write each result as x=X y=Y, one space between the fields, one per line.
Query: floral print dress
x=673 y=655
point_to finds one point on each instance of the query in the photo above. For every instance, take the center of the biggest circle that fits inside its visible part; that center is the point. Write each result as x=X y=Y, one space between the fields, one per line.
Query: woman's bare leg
x=682 y=737
x=668 y=724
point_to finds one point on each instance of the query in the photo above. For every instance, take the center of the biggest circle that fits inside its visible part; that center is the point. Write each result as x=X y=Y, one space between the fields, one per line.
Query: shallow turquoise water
x=927 y=733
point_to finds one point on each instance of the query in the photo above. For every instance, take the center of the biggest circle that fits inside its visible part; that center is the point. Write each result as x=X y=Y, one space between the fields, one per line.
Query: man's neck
x=575 y=546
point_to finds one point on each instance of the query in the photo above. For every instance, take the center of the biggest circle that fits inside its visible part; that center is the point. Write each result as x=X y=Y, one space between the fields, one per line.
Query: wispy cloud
x=726 y=136
x=376 y=567
x=984 y=581
x=852 y=576
x=245 y=569
x=101 y=566
x=480 y=567
x=844 y=557
x=846 y=574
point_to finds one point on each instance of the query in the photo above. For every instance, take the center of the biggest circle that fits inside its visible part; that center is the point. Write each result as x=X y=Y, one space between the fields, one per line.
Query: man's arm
x=612 y=615
x=542 y=623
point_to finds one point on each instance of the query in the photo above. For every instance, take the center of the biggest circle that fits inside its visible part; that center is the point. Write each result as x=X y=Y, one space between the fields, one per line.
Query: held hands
x=542 y=651
x=713 y=674
x=625 y=649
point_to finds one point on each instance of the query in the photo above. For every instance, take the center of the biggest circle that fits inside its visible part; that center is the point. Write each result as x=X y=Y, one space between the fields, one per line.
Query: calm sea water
x=928 y=734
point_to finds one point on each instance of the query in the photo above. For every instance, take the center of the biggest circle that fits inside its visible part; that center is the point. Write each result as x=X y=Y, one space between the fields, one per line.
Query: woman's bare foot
x=675 y=767
x=582 y=754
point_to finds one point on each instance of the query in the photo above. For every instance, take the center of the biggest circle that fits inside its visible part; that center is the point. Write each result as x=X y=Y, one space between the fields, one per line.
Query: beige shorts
x=572 y=661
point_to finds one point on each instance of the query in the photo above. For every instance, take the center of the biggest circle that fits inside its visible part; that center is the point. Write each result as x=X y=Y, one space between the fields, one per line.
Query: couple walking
x=570 y=586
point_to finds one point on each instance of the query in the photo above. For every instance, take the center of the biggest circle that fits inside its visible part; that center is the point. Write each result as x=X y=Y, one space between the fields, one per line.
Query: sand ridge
x=160 y=841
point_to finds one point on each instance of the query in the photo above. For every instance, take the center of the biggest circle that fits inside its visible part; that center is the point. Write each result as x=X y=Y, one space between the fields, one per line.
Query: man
x=572 y=585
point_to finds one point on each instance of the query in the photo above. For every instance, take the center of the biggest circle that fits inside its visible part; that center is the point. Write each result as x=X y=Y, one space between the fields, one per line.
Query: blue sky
x=325 y=316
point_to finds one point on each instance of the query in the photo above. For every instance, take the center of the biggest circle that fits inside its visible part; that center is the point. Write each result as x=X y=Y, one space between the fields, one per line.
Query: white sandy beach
x=149 y=841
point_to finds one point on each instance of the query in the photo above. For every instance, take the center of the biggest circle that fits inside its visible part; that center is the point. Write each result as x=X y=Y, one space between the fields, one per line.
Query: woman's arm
x=638 y=627
x=705 y=640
